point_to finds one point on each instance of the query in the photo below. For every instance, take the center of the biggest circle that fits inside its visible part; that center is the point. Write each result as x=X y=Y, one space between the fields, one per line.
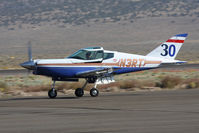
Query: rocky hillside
x=77 y=12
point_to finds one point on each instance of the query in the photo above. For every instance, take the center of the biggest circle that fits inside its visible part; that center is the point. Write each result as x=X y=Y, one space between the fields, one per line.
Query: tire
x=94 y=92
x=52 y=93
x=79 y=92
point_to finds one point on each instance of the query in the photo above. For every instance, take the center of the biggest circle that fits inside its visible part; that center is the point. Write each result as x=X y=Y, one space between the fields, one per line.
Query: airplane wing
x=97 y=72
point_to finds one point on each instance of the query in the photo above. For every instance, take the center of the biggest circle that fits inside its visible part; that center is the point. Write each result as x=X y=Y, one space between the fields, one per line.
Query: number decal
x=171 y=50
x=165 y=50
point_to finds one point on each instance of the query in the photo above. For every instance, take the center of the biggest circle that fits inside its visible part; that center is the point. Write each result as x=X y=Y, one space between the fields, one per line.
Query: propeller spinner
x=30 y=64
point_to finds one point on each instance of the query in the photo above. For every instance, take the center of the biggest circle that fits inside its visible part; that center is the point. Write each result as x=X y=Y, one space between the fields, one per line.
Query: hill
x=77 y=12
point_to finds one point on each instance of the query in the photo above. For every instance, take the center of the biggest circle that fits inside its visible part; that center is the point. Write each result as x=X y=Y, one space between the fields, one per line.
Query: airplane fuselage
x=121 y=62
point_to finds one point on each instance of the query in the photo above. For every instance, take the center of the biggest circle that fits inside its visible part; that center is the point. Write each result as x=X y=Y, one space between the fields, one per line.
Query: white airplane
x=98 y=66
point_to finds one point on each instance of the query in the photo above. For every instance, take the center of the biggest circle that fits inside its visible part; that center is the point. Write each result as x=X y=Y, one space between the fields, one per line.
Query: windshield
x=87 y=55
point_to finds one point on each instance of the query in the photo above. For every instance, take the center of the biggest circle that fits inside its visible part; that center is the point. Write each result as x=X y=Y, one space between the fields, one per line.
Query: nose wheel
x=52 y=93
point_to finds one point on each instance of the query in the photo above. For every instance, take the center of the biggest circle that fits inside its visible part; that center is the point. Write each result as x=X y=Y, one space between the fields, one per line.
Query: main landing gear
x=79 y=92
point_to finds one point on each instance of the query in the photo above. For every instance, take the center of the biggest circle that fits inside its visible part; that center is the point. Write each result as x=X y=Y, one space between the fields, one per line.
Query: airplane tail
x=169 y=49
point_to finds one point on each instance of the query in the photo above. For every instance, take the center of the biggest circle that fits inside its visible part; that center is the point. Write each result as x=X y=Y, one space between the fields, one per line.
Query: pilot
x=88 y=55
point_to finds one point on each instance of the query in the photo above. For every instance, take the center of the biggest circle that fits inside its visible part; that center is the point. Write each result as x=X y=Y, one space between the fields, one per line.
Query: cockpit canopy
x=90 y=53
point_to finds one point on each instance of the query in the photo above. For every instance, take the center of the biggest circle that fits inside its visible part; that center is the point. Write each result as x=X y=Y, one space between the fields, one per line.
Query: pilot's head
x=88 y=55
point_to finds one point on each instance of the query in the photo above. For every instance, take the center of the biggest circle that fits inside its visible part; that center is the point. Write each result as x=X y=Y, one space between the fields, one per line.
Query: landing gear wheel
x=52 y=93
x=79 y=92
x=94 y=92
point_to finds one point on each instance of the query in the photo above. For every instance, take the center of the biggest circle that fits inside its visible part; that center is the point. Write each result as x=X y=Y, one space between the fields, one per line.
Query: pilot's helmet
x=88 y=54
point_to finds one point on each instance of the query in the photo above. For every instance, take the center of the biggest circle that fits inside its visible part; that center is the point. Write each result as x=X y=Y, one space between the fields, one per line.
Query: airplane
x=99 y=66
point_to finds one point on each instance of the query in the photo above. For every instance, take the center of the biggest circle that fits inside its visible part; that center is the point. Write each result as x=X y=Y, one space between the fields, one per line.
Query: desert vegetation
x=28 y=85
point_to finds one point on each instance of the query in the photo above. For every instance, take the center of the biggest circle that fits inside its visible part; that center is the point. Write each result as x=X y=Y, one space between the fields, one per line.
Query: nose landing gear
x=52 y=93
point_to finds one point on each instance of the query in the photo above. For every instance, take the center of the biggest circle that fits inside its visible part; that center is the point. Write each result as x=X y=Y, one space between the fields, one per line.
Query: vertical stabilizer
x=170 y=48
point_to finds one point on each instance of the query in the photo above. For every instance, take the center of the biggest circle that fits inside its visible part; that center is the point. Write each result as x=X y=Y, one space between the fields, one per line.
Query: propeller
x=29 y=51
x=30 y=64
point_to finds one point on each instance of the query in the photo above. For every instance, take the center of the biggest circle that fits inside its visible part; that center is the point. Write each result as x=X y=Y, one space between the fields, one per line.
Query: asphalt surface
x=138 y=112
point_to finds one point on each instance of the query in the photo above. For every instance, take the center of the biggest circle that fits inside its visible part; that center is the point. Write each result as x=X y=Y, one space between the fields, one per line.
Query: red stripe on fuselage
x=175 y=41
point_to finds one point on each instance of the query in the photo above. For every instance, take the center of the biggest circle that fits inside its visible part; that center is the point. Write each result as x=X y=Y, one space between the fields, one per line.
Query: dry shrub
x=111 y=85
x=148 y=83
x=3 y=86
x=36 y=88
x=127 y=84
x=192 y=83
x=170 y=82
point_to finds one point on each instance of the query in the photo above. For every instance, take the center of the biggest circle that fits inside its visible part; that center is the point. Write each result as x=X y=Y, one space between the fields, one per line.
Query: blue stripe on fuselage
x=71 y=72
x=130 y=69
x=62 y=71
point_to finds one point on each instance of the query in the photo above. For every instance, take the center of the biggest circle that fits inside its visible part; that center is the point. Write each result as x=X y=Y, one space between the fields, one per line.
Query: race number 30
x=171 y=50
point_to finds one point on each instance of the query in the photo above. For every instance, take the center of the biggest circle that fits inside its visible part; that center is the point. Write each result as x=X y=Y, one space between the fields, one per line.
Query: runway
x=139 y=112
